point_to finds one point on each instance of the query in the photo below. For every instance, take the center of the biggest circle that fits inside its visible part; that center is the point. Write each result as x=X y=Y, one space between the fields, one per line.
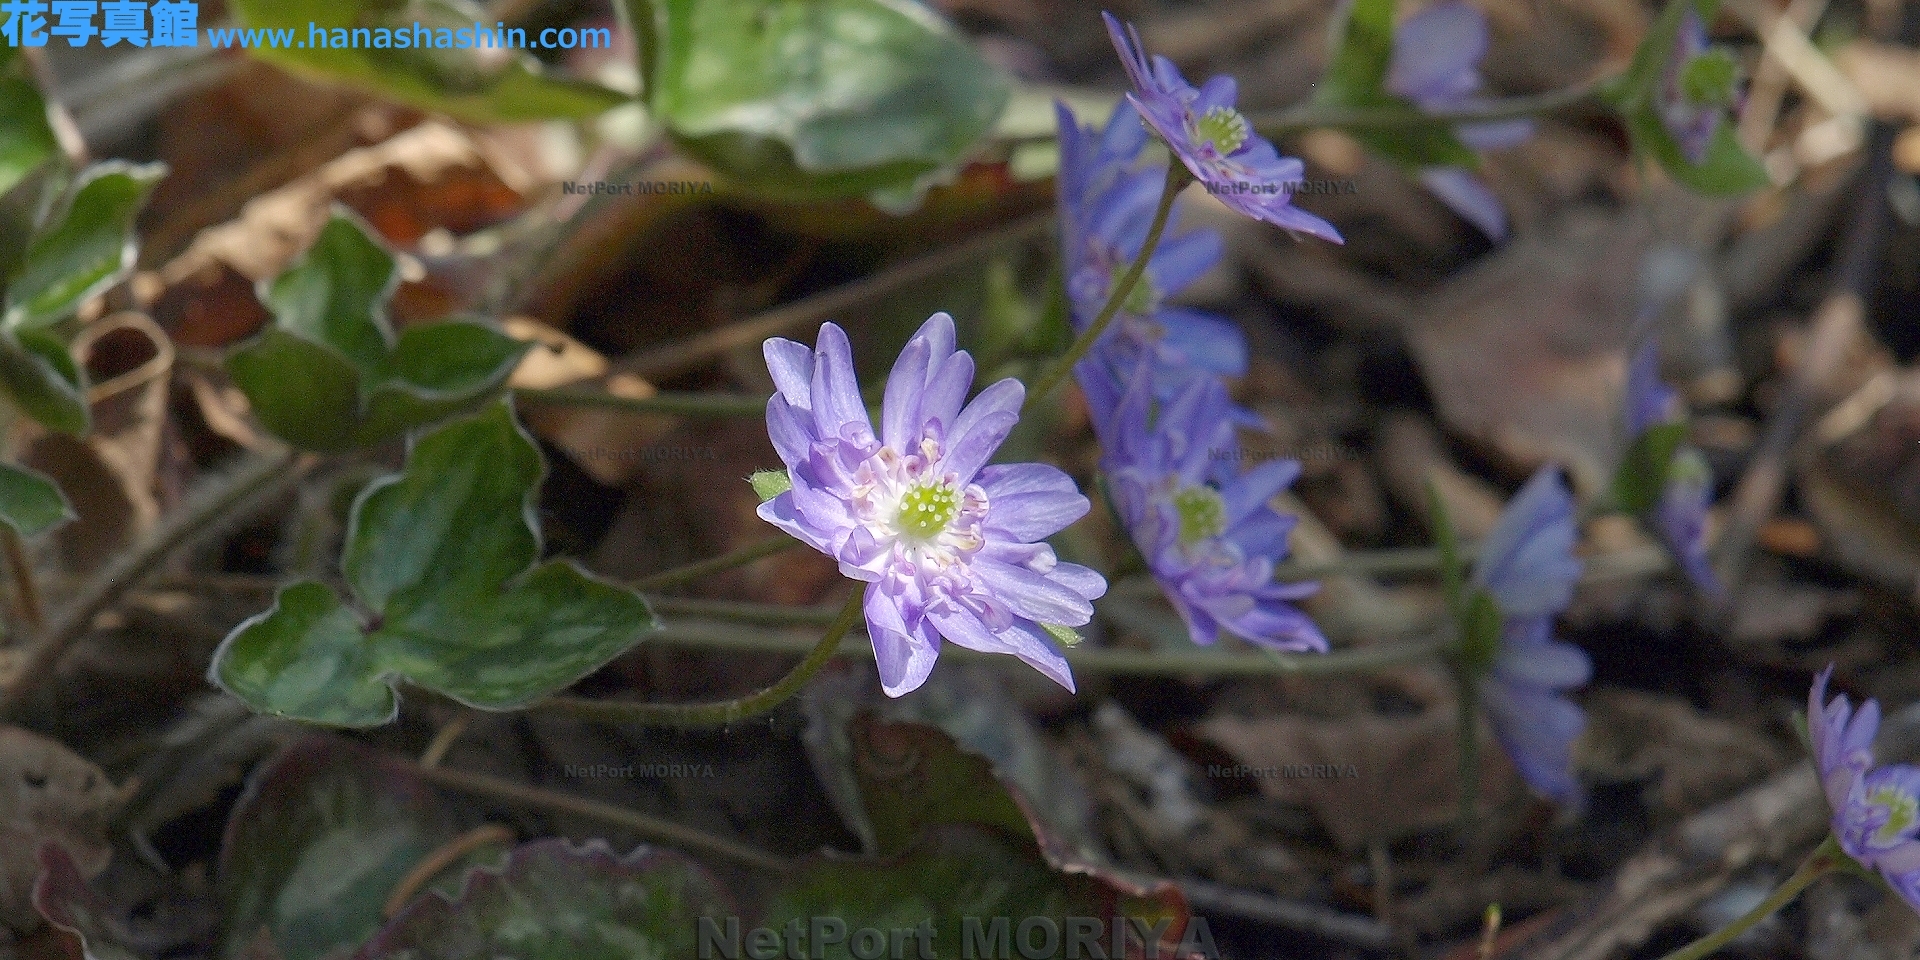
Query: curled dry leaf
x=1368 y=776
x=48 y=794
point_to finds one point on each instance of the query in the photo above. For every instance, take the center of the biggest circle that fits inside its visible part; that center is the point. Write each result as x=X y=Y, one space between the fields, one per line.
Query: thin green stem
x=1177 y=178
x=1824 y=860
x=1198 y=661
x=709 y=405
x=726 y=561
x=1308 y=116
x=725 y=712
x=1469 y=762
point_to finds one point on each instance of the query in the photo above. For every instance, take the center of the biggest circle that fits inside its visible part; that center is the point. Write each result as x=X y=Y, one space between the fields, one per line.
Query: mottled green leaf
x=474 y=83
x=552 y=900
x=329 y=374
x=828 y=98
x=307 y=393
x=26 y=141
x=30 y=502
x=437 y=560
x=39 y=375
x=1644 y=469
x=317 y=843
x=87 y=248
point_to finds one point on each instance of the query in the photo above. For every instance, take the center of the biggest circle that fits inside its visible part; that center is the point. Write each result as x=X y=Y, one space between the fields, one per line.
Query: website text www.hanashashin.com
x=175 y=23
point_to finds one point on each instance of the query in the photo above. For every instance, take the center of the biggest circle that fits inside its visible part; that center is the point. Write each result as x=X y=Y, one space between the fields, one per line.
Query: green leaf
x=913 y=776
x=437 y=561
x=1646 y=466
x=768 y=484
x=479 y=84
x=1362 y=49
x=1727 y=169
x=1453 y=573
x=434 y=371
x=30 y=502
x=318 y=841
x=823 y=99
x=1067 y=636
x=39 y=375
x=552 y=900
x=26 y=141
x=87 y=249
x=329 y=374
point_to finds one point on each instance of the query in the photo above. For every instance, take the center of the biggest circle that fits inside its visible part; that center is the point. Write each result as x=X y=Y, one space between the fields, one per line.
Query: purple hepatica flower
x=948 y=546
x=1207 y=532
x=1435 y=64
x=1680 y=518
x=1106 y=211
x=1691 y=122
x=1216 y=143
x=1876 y=813
x=1527 y=566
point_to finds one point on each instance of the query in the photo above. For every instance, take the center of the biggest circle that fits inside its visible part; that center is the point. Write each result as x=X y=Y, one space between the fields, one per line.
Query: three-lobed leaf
x=444 y=594
x=450 y=69
x=87 y=248
x=824 y=99
x=318 y=841
x=329 y=374
x=552 y=900
x=1726 y=168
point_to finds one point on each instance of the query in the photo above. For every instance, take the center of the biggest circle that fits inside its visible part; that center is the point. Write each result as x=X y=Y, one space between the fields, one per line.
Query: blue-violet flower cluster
x=1527 y=565
x=1435 y=64
x=1213 y=140
x=948 y=546
x=1106 y=205
x=1876 y=812
x=1209 y=536
x=1696 y=89
x=1680 y=516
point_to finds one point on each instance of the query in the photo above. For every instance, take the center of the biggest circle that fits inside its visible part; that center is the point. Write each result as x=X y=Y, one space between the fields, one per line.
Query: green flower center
x=1224 y=128
x=1202 y=514
x=926 y=511
x=1902 y=810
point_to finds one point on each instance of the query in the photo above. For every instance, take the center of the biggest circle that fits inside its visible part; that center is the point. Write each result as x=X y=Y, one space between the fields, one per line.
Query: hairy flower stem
x=1177 y=179
x=727 y=711
x=1824 y=860
x=726 y=561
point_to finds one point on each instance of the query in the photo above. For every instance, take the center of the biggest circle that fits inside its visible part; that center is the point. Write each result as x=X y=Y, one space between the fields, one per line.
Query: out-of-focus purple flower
x=1680 y=516
x=1106 y=210
x=1876 y=812
x=1527 y=566
x=1691 y=120
x=1207 y=531
x=1435 y=64
x=1213 y=140
x=947 y=545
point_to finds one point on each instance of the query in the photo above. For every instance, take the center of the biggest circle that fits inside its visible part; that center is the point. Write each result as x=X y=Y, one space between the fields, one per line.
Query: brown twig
x=445 y=856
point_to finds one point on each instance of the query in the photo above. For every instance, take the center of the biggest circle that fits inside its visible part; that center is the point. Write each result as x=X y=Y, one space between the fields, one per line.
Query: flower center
x=1903 y=809
x=1202 y=513
x=926 y=510
x=1224 y=128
